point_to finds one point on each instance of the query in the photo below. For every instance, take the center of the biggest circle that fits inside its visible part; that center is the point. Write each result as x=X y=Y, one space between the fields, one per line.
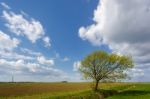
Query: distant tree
x=64 y=81
x=102 y=66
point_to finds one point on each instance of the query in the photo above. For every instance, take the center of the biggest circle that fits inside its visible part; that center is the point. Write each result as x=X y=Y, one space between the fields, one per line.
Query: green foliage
x=102 y=66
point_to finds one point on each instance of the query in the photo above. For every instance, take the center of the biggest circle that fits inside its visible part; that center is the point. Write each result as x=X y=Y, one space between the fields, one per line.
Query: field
x=74 y=91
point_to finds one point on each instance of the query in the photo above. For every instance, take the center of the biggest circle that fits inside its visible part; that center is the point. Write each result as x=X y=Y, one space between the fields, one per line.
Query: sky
x=46 y=40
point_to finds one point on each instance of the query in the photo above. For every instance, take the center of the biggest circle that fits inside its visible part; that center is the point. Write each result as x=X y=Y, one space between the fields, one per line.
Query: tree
x=100 y=66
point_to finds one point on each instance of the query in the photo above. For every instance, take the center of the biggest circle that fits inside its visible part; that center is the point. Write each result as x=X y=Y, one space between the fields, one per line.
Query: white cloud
x=19 y=25
x=8 y=48
x=8 y=43
x=14 y=55
x=21 y=67
x=90 y=33
x=47 y=41
x=124 y=25
x=5 y=5
x=44 y=61
x=136 y=72
x=64 y=59
x=23 y=62
x=12 y=63
x=76 y=65
x=23 y=25
x=30 y=52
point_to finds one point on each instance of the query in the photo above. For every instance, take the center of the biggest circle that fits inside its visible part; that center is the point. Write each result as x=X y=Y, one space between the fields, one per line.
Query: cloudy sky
x=46 y=40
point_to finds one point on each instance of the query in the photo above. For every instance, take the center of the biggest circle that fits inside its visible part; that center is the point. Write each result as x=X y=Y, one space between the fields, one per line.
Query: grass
x=74 y=91
x=135 y=91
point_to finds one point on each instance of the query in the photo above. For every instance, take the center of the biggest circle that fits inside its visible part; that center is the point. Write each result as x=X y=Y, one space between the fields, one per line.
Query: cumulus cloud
x=7 y=43
x=8 y=46
x=22 y=67
x=91 y=34
x=44 y=61
x=124 y=25
x=23 y=25
x=19 y=61
x=76 y=65
x=19 y=25
x=47 y=41
x=16 y=65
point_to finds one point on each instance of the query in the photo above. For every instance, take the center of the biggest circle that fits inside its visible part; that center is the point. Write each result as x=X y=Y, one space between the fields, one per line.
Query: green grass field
x=74 y=91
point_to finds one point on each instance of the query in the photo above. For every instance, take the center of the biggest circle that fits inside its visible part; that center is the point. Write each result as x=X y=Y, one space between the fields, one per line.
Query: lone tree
x=102 y=66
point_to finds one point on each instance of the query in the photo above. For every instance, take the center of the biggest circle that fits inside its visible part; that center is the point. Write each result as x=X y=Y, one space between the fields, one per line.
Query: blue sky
x=46 y=40
x=61 y=21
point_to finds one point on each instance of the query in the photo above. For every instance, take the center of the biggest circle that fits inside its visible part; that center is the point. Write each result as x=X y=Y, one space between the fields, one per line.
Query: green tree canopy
x=101 y=66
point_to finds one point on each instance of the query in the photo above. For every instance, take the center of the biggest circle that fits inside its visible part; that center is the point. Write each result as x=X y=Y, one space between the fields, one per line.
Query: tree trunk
x=96 y=86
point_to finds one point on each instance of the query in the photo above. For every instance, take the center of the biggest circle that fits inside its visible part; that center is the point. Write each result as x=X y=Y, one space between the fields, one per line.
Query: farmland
x=74 y=91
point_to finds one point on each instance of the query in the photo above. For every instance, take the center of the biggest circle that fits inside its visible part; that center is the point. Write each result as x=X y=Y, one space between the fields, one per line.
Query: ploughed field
x=74 y=91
